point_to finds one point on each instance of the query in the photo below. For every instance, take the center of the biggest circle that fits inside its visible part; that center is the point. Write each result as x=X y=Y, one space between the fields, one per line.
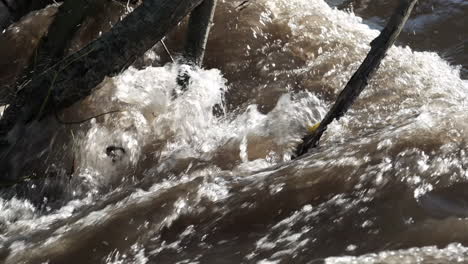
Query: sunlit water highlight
x=207 y=178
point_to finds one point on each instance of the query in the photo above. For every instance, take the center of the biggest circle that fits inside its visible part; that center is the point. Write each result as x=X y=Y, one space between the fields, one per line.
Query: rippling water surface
x=207 y=177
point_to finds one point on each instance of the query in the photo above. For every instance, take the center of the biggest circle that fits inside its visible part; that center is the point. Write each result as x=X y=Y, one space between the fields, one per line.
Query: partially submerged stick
x=74 y=78
x=55 y=43
x=200 y=22
x=12 y=11
x=360 y=79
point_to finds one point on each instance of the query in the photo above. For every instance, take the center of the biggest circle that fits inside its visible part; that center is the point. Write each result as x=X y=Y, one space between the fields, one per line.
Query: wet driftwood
x=198 y=31
x=199 y=26
x=360 y=79
x=74 y=77
x=12 y=10
x=53 y=46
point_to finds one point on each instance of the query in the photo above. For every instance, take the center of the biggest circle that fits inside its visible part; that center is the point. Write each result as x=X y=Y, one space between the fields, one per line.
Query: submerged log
x=360 y=79
x=13 y=10
x=200 y=22
x=53 y=45
x=74 y=78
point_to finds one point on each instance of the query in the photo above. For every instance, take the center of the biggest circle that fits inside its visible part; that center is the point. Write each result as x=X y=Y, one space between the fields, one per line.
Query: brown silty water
x=386 y=185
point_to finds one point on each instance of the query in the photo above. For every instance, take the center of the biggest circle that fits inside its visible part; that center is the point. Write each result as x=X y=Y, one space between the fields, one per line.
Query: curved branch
x=360 y=79
x=75 y=77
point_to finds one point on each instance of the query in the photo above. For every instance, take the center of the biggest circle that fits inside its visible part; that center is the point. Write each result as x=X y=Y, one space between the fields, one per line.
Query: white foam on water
x=415 y=96
x=136 y=256
x=453 y=253
x=186 y=127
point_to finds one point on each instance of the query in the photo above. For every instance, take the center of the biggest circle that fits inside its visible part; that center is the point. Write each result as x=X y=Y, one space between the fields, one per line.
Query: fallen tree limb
x=74 y=78
x=198 y=31
x=199 y=26
x=53 y=45
x=14 y=10
x=360 y=79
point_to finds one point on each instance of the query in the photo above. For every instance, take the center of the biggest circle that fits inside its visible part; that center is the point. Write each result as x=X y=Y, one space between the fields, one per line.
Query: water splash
x=208 y=174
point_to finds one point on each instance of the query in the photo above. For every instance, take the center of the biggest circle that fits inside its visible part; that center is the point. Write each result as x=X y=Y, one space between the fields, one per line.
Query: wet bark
x=74 y=78
x=360 y=79
x=12 y=10
x=198 y=31
x=55 y=43
x=201 y=20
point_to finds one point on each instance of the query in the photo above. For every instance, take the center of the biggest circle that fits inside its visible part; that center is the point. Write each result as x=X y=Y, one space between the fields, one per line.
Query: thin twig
x=243 y=5
x=167 y=50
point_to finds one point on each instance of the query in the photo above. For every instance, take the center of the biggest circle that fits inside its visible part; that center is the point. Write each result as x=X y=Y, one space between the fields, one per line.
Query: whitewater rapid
x=207 y=177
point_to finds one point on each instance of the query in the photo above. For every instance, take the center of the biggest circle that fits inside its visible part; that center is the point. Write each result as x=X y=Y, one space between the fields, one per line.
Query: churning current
x=207 y=177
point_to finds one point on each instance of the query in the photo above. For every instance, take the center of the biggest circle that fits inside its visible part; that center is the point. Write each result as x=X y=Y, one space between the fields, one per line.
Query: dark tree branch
x=74 y=78
x=199 y=26
x=14 y=10
x=360 y=79
x=54 y=44
x=198 y=30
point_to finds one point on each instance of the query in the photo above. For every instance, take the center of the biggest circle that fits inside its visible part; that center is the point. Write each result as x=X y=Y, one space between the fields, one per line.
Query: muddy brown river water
x=388 y=184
